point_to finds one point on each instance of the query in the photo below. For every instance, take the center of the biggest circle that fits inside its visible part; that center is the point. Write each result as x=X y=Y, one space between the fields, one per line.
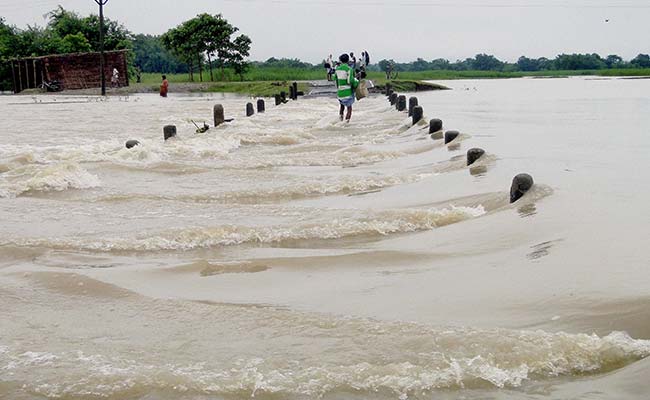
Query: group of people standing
x=357 y=65
x=348 y=70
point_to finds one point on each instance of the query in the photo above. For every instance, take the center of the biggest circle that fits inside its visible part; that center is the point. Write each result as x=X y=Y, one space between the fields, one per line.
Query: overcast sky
x=398 y=29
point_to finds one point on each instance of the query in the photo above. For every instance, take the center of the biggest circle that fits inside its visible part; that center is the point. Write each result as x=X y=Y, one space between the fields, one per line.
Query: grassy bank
x=444 y=75
x=297 y=74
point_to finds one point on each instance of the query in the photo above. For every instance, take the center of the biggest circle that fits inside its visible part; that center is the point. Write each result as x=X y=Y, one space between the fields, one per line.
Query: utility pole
x=101 y=4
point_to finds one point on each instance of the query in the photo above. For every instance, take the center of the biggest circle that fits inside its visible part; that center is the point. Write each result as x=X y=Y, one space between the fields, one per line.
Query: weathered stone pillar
x=435 y=125
x=413 y=101
x=169 y=131
x=218 y=115
x=473 y=155
x=450 y=135
x=401 y=103
x=418 y=112
x=520 y=185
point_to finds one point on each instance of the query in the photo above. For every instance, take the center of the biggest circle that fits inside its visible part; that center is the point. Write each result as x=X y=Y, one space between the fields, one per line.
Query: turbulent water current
x=293 y=256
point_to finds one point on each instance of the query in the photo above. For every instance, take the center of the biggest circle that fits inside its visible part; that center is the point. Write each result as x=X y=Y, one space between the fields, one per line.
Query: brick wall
x=81 y=71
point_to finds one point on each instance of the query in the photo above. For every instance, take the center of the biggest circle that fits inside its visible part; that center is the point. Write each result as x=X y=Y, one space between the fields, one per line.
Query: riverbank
x=409 y=81
x=256 y=89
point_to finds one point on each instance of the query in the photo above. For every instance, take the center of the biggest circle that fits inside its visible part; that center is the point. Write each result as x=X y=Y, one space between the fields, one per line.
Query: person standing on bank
x=329 y=66
x=345 y=83
x=164 y=86
x=115 y=79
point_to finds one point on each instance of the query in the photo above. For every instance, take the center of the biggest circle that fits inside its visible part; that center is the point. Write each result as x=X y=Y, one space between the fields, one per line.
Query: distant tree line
x=208 y=42
x=486 y=62
x=195 y=45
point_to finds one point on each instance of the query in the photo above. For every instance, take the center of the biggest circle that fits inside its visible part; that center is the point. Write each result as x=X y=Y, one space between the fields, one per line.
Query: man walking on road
x=345 y=83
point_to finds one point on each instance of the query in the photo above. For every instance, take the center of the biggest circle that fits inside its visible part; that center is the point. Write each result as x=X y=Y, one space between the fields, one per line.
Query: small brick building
x=72 y=71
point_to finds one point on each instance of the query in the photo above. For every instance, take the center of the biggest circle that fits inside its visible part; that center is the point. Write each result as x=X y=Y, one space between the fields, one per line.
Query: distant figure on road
x=352 y=61
x=346 y=83
x=329 y=66
x=364 y=61
x=115 y=79
x=164 y=87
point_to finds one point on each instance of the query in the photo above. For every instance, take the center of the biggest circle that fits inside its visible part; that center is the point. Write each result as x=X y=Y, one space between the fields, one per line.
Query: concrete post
x=295 y=90
x=260 y=106
x=283 y=97
x=278 y=100
x=219 y=117
x=413 y=101
x=169 y=131
x=520 y=185
x=435 y=125
x=401 y=103
x=450 y=135
x=418 y=112
x=249 y=109
x=393 y=98
x=473 y=155
x=131 y=143
x=291 y=92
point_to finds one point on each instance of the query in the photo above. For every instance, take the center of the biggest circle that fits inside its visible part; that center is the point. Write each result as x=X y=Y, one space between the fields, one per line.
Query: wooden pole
x=13 y=75
x=20 y=77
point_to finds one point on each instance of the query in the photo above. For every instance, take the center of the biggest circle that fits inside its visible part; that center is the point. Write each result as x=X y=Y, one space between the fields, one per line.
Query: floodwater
x=292 y=256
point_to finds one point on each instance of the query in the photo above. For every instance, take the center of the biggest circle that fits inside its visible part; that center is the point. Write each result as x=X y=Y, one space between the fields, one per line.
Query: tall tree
x=209 y=36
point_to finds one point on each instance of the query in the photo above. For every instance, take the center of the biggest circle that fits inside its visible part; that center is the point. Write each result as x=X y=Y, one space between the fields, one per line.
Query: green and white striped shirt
x=345 y=81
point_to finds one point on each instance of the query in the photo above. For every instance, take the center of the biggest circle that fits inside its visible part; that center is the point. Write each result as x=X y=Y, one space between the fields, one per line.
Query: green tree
x=641 y=61
x=151 y=56
x=486 y=62
x=63 y=23
x=613 y=61
x=209 y=36
x=239 y=51
x=76 y=43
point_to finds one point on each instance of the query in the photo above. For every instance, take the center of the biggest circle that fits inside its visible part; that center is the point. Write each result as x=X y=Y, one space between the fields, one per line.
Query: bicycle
x=53 y=86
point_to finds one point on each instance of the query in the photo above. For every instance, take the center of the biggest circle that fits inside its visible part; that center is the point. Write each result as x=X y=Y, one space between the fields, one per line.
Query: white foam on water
x=45 y=178
x=289 y=190
x=433 y=359
x=372 y=224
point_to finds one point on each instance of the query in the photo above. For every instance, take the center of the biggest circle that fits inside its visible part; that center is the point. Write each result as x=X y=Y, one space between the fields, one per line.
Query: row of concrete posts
x=521 y=183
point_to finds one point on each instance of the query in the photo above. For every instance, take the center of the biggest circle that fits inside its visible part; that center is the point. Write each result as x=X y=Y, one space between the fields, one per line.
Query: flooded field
x=289 y=255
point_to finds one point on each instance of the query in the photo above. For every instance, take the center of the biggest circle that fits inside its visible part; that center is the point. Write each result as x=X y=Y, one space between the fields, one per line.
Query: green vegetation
x=489 y=63
x=265 y=88
x=152 y=56
x=65 y=32
x=208 y=42
x=209 y=37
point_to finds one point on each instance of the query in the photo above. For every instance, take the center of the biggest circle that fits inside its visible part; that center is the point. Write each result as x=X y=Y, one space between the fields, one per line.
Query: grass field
x=296 y=74
x=269 y=81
